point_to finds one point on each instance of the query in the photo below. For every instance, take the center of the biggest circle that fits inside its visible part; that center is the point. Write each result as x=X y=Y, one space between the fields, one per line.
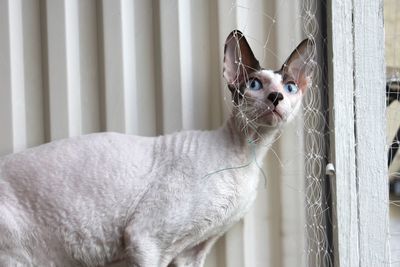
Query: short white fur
x=152 y=201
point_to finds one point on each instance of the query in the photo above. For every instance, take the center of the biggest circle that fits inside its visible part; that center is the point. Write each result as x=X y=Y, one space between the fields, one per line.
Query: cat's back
x=88 y=164
x=78 y=151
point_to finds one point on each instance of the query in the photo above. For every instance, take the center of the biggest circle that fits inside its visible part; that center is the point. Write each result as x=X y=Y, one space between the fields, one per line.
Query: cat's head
x=266 y=98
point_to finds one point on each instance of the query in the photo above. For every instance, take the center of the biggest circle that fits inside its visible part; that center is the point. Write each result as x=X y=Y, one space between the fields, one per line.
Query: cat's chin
x=273 y=119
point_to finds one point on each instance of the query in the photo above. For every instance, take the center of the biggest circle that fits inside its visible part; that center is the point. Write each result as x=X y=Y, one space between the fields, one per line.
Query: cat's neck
x=249 y=142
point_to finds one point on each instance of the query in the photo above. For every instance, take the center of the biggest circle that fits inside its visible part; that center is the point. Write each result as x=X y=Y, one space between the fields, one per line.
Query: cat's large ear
x=239 y=60
x=300 y=65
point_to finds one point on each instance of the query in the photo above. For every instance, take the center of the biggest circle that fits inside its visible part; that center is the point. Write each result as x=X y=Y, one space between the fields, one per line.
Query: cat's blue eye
x=291 y=88
x=254 y=85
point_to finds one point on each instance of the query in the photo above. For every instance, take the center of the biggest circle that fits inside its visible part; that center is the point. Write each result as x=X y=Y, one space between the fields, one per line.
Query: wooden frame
x=357 y=82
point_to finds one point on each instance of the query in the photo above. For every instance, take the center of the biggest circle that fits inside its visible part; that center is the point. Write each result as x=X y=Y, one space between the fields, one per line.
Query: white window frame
x=357 y=95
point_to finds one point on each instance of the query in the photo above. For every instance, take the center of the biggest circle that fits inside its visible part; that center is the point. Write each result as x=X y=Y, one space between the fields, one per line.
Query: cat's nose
x=275 y=97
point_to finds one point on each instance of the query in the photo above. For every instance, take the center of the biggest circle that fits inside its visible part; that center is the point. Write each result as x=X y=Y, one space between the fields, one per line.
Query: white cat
x=153 y=201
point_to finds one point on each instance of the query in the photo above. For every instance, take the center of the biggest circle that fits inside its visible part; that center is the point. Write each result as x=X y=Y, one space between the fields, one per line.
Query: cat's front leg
x=195 y=256
x=141 y=250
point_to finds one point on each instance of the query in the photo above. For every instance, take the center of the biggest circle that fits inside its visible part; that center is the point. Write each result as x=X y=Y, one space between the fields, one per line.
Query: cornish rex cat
x=153 y=201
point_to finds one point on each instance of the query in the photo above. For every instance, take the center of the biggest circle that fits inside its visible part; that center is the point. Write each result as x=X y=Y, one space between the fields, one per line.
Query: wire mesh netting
x=317 y=248
x=392 y=58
